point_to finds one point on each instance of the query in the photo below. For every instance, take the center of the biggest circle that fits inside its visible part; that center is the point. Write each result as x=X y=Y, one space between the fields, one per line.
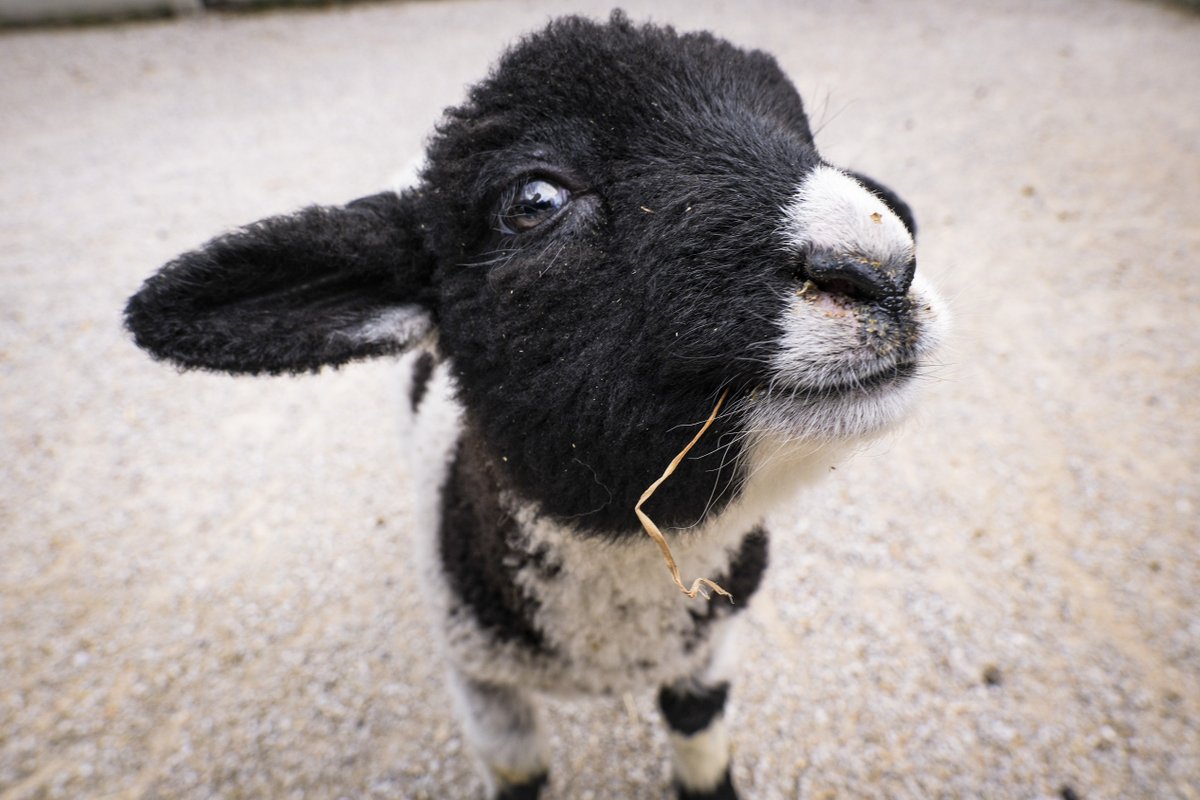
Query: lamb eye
x=532 y=204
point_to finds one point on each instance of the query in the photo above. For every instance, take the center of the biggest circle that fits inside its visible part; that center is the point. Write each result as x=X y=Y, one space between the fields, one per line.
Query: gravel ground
x=204 y=589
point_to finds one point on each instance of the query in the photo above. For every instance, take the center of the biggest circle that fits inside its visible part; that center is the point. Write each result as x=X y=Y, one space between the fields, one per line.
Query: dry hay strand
x=657 y=535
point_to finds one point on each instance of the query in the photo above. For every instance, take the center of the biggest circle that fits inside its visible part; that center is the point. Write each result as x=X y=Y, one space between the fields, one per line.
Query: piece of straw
x=657 y=535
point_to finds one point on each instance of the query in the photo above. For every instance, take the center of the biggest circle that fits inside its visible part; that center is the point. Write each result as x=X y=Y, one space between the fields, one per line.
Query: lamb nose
x=857 y=276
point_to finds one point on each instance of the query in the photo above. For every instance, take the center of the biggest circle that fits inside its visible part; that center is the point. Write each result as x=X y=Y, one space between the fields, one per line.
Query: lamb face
x=635 y=221
x=620 y=224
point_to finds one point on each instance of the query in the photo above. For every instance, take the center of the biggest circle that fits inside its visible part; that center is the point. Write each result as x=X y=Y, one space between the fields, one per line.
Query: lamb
x=620 y=225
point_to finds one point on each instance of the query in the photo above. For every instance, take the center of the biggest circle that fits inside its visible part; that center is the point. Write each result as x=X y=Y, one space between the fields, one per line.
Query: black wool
x=590 y=352
x=286 y=294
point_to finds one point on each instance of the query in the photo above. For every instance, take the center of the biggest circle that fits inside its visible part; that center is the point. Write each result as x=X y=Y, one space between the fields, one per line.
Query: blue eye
x=531 y=204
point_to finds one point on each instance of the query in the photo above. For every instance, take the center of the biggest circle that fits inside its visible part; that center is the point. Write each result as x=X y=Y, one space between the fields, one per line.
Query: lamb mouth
x=889 y=377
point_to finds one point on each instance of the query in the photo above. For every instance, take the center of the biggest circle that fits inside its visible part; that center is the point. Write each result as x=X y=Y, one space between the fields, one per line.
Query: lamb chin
x=833 y=416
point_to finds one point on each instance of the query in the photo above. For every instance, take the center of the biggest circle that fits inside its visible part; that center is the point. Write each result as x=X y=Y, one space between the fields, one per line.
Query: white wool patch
x=401 y=324
x=699 y=761
x=615 y=618
x=501 y=725
x=430 y=437
x=833 y=349
x=822 y=347
x=832 y=212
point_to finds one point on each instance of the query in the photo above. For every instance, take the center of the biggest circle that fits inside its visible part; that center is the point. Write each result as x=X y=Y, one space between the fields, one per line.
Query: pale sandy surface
x=205 y=588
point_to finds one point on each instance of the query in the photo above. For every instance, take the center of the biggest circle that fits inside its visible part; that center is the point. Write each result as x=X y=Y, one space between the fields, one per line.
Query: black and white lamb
x=618 y=226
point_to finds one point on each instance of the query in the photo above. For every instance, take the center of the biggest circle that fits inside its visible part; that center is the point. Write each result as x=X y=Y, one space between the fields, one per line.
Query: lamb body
x=620 y=224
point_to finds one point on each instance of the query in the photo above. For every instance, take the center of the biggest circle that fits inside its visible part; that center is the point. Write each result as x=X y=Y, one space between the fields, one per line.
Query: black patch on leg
x=422 y=372
x=689 y=712
x=746 y=571
x=529 y=790
x=742 y=581
x=480 y=549
x=722 y=791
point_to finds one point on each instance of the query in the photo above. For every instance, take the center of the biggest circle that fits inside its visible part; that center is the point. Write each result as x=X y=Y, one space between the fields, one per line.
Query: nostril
x=851 y=276
x=844 y=287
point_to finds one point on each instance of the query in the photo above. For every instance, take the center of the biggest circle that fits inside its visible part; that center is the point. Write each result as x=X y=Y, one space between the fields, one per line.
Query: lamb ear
x=323 y=286
x=890 y=199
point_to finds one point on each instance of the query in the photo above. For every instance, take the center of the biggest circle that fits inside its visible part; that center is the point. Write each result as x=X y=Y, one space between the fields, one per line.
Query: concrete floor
x=204 y=589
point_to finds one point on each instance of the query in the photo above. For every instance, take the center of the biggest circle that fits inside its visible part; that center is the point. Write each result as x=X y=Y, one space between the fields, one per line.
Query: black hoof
x=529 y=790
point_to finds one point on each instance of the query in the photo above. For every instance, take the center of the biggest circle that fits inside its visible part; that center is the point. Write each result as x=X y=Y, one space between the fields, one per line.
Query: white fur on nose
x=832 y=212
